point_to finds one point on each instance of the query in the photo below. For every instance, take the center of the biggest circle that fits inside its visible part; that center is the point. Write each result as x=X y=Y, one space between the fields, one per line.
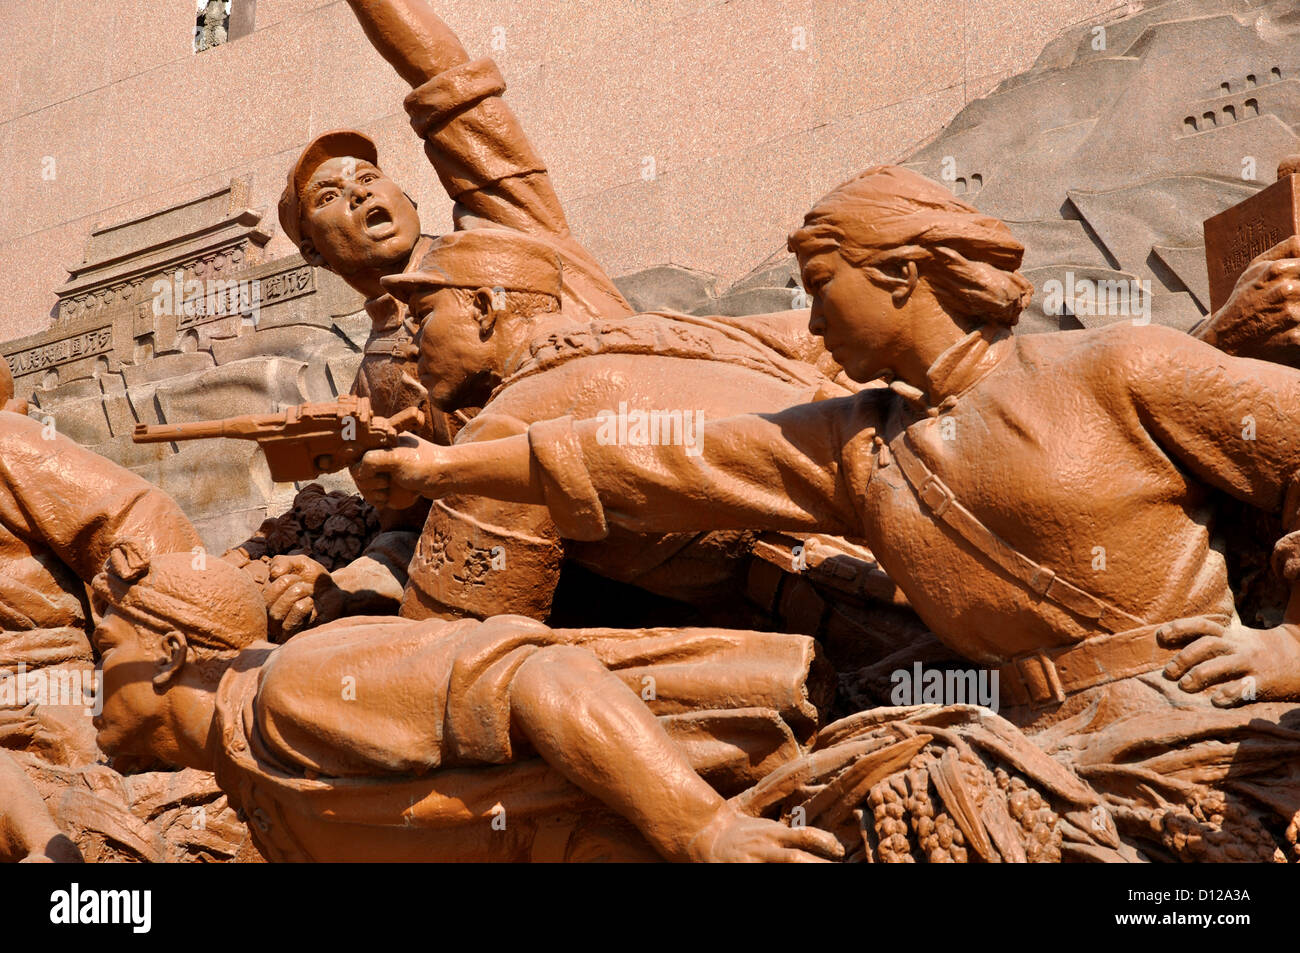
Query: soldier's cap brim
x=481 y=258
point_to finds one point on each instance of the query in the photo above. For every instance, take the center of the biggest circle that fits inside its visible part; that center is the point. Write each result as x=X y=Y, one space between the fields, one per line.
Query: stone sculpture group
x=571 y=621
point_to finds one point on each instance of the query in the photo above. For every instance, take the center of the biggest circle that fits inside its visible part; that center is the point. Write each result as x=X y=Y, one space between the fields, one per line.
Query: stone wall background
x=107 y=114
x=1104 y=158
x=686 y=138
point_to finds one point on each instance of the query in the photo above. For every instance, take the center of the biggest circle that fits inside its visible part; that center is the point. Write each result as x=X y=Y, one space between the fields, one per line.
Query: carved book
x=1235 y=237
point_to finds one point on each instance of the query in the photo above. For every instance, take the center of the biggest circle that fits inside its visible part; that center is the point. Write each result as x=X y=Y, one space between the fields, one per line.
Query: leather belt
x=1048 y=677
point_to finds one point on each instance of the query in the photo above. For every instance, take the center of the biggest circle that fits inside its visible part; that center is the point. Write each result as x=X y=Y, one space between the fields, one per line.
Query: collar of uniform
x=385 y=312
x=966 y=362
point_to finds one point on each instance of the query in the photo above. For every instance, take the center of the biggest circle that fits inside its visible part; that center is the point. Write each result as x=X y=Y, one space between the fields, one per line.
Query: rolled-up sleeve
x=487 y=165
x=571 y=497
x=1230 y=421
x=480 y=152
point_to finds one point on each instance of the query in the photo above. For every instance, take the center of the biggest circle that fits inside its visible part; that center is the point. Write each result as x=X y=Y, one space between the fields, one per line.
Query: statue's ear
x=489 y=305
x=309 y=252
x=169 y=667
x=906 y=284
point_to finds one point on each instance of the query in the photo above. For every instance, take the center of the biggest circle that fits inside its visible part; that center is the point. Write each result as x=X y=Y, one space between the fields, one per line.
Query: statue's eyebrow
x=325 y=183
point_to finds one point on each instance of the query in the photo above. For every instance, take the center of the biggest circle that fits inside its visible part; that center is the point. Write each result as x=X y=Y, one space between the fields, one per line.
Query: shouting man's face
x=358 y=219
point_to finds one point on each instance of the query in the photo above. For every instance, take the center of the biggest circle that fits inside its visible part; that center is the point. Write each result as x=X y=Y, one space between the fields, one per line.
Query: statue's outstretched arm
x=410 y=36
x=785 y=471
x=474 y=141
x=595 y=731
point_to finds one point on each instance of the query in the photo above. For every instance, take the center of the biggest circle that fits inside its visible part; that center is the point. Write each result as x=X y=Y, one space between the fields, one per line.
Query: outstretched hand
x=1238 y=664
x=733 y=837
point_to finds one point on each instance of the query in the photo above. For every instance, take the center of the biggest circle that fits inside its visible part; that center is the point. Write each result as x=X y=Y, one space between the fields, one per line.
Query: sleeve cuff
x=452 y=90
x=566 y=484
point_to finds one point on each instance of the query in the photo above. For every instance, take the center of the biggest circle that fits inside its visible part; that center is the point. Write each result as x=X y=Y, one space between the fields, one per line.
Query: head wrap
x=216 y=607
x=890 y=214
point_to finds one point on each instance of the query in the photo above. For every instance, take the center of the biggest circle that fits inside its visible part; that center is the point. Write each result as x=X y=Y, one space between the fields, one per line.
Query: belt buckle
x=1041 y=680
x=935 y=495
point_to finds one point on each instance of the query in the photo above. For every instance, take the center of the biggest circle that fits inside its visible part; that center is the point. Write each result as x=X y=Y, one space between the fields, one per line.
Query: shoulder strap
x=666 y=334
x=1038 y=579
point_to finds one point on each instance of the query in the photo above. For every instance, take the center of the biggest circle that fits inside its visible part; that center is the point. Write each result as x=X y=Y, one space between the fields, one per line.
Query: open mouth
x=379 y=222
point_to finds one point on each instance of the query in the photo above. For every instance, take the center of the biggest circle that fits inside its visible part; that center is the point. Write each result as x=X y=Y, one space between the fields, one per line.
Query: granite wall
x=691 y=132
x=686 y=138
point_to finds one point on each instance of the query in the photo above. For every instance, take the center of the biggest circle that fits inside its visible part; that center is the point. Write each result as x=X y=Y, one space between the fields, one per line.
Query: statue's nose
x=816 y=322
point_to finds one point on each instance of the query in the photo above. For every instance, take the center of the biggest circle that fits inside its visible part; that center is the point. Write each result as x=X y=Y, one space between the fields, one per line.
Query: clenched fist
x=389 y=477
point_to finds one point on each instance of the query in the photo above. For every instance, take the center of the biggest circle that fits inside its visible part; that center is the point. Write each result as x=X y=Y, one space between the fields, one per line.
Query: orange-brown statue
x=498 y=321
x=392 y=739
x=346 y=215
x=62 y=508
x=1044 y=501
x=529 y=362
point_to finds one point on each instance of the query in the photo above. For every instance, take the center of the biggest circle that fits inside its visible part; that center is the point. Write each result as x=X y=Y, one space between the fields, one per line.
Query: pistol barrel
x=236 y=428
